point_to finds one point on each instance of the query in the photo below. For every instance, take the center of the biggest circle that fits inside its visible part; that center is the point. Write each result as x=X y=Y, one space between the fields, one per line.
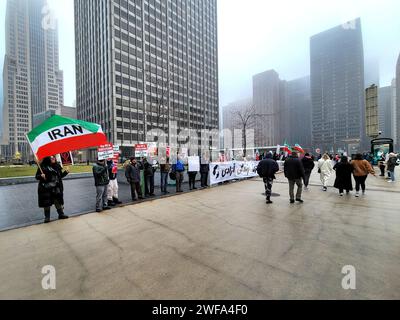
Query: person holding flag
x=51 y=189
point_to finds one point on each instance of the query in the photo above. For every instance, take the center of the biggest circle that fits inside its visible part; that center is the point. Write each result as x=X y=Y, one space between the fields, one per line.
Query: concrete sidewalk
x=221 y=243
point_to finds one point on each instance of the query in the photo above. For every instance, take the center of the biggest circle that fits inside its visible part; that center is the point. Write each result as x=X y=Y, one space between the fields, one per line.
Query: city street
x=219 y=243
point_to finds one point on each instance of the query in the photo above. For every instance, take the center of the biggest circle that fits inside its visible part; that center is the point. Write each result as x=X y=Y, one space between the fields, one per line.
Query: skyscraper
x=298 y=118
x=385 y=111
x=32 y=81
x=268 y=99
x=397 y=108
x=337 y=89
x=142 y=65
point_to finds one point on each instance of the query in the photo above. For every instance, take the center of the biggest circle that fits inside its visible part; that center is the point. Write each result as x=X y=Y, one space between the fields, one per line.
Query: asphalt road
x=19 y=203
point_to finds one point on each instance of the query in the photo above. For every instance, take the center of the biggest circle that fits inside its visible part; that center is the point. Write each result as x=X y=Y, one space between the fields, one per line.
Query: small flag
x=298 y=148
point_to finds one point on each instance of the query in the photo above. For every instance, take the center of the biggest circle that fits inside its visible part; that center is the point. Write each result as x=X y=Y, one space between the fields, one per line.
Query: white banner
x=194 y=164
x=226 y=171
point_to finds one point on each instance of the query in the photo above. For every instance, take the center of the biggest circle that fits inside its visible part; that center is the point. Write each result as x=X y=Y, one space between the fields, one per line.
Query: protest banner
x=105 y=152
x=232 y=170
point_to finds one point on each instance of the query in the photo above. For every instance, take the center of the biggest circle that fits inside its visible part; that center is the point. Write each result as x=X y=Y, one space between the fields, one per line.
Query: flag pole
x=34 y=154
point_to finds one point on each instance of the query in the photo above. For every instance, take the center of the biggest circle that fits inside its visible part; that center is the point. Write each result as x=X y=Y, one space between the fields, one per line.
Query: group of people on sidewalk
x=298 y=172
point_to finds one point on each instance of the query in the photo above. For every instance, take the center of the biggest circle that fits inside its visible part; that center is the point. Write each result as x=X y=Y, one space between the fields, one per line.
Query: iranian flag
x=298 y=148
x=287 y=148
x=59 y=134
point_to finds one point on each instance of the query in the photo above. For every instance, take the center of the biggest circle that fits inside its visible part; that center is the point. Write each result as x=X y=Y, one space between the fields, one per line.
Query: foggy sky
x=257 y=35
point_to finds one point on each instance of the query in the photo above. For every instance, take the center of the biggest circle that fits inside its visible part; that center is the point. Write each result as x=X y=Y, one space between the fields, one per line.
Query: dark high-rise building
x=397 y=107
x=32 y=81
x=298 y=101
x=142 y=65
x=385 y=111
x=269 y=100
x=337 y=89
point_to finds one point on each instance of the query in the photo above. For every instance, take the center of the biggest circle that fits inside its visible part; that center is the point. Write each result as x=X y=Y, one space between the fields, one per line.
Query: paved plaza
x=219 y=243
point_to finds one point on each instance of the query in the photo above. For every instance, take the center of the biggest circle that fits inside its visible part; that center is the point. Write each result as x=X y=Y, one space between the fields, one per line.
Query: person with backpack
x=266 y=169
x=392 y=163
x=178 y=169
x=343 y=176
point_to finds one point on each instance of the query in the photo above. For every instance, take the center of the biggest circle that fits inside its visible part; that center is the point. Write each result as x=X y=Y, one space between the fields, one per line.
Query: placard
x=105 y=152
x=194 y=164
x=67 y=159
x=140 y=150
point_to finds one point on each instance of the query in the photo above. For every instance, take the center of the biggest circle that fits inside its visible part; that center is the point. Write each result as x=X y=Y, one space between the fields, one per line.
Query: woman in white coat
x=325 y=170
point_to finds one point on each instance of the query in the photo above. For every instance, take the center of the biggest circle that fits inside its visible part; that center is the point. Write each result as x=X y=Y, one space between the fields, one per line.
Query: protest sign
x=194 y=164
x=105 y=152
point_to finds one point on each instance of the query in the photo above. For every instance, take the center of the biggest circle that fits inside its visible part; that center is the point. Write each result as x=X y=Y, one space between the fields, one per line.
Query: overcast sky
x=257 y=35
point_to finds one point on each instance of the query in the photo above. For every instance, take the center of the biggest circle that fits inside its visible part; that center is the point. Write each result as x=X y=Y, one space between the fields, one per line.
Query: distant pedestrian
x=178 y=169
x=112 y=189
x=381 y=164
x=361 y=170
x=308 y=164
x=51 y=189
x=343 y=176
x=165 y=169
x=325 y=170
x=294 y=172
x=266 y=169
x=391 y=166
x=204 y=171
x=132 y=174
x=101 y=181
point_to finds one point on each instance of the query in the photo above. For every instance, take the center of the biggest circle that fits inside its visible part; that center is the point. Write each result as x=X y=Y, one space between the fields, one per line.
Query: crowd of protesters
x=297 y=170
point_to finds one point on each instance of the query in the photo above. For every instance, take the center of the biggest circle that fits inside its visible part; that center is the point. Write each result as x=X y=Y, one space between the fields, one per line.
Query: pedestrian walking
x=204 y=172
x=325 y=170
x=308 y=164
x=294 y=172
x=266 y=169
x=165 y=169
x=50 y=188
x=361 y=169
x=132 y=174
x=101 y=181
x=112 y=189
x=343 y=176
x=178 y=169
x=149 y=171
x=392 y=163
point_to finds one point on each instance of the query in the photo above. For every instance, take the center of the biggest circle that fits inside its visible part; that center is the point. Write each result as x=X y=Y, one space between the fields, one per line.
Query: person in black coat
x=51 y=188
x=308 y=164
x=294 y=172
x=266 y=169
x=343 y=176
x=204 y=171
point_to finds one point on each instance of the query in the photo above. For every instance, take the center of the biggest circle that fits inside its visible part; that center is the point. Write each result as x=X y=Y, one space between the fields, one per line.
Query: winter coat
x=178 y=167
x=204 y=168
x=392 y=163
x=132 y=173
x=51 y=188
x=325 y=166
x=308 y=164
x=362 y=168
x=267 y=168
x=100 y=174
x=149 y=169
x=294 y=169
x=110 y=166
x=165 y=168
x=343 y=176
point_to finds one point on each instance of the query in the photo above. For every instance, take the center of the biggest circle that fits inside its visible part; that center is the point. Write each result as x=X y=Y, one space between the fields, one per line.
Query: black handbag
x=49 y=185
x=172 y=175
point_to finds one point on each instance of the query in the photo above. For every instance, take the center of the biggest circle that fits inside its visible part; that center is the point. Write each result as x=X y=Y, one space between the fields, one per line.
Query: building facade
x=396 y=125
x=299 y=107
x=337 y=89
x=148 y=65
x=269 y=101
x=385 y=96
x=32 y=81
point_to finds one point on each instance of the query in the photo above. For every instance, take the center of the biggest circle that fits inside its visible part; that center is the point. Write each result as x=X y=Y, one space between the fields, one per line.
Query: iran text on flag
x=59 y=134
